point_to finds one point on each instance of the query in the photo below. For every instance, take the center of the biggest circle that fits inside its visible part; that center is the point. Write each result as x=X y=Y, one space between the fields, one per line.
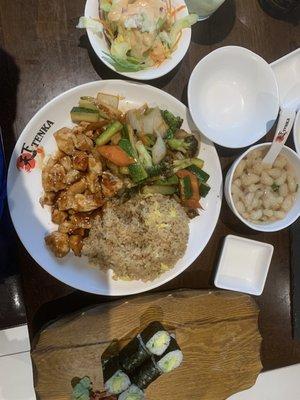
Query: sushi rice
x=132 y=393
x=118 y=383
x=158 y=343
x=170 y=361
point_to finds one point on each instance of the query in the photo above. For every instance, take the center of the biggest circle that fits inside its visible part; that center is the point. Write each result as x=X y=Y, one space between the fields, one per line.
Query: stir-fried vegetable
x=156 y=189
x=201 y=175
x=144 y=156
x=136 y=170
x=187 y=162
x=173 y=123
x=79 y=114
x=187 y=146
x=141 y=34
x=110 y=131
x=150 y=150
x=159 y=150
x=189 y=189
x=116 y=155
x=172 y=180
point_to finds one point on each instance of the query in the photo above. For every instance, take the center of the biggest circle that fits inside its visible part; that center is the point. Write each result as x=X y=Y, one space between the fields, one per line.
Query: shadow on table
x=9 y=81
x=216 y=28
x=106 y=73
x=12 y=310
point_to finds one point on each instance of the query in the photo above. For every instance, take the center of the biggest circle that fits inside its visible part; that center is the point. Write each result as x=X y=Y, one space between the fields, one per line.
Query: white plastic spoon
x=285 y=124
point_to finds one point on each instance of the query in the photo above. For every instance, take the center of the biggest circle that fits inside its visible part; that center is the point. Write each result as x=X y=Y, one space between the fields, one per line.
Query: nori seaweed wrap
x=115 y=380
x=171 y=358
x=155 y=338
x=133 y=355
x=146 y=374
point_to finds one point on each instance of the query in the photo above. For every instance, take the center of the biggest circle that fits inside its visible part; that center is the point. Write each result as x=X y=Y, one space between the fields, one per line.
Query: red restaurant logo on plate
x=26 y=161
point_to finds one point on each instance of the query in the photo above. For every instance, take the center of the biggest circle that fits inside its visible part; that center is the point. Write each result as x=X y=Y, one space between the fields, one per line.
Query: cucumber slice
x=203 y=189
x=79 y=114
x=187 y=187
x=201 y=175
x=109 y=132
x=87 y=104
x=155 y=189
x=173 y=180
x=137 y=172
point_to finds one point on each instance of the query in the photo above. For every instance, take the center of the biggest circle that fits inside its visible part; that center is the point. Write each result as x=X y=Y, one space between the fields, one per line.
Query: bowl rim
x=228 y=183
x=244 y=51
x=296 y=140
x=157 y=71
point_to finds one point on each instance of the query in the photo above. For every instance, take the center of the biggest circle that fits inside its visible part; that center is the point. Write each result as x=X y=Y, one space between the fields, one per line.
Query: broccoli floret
x=188 y=145
x=173 y=123
x=193 y=144
x=162 y=169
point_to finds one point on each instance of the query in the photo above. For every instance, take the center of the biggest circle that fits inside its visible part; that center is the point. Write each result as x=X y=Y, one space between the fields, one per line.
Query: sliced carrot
x=116 y=155
x=194 y=200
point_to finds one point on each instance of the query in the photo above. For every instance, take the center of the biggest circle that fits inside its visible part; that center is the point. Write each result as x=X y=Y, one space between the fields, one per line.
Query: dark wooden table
x=43 y=55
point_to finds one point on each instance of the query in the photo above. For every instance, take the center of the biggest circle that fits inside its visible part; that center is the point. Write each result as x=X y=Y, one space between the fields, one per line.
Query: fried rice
x=139 y=239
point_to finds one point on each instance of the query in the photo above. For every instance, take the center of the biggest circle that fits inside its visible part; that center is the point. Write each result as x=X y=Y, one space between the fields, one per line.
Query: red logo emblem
x=26 y=161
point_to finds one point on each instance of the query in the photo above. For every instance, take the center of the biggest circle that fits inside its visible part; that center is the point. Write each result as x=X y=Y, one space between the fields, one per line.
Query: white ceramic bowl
x=233 y=96
x=297 y=133
x=291 y=216
x=101 y=47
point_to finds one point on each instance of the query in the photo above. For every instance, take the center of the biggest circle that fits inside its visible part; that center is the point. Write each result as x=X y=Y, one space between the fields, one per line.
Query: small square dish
x=243 y=265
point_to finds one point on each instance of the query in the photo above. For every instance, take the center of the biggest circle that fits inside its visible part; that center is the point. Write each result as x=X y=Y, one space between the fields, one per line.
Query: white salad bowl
x=291 y=216
x=100 y=45
x=233 y=96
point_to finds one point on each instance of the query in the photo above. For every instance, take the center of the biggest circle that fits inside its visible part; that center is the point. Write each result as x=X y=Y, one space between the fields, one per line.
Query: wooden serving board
x=217 y=332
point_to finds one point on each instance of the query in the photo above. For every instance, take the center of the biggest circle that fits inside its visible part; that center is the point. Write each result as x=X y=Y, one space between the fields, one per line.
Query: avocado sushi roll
x=171 y=359
x=133 y=355
x=146 y=374
x=132 y=393
x=116 y=381
x=155 y=338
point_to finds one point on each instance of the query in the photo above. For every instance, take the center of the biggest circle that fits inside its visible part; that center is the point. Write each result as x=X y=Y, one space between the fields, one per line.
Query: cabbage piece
x=182 y=23
x=159 y=150
x=119 y=48
x=108 y=100
x=133 y=117
x=165 y=38
x=125 y=65
x=105 y=5
x=160 y=126
x=90 y=23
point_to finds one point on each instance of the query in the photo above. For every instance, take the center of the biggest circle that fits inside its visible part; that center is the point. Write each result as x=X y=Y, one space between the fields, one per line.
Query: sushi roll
x=171 y=359
x=132 y=393
x=146 y=374
x=133 y=355
x=155 y=338
x=116 y=381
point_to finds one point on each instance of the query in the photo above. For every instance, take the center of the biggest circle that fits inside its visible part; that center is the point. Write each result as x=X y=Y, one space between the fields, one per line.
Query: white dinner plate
x=100 y=46
x=24 y=189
